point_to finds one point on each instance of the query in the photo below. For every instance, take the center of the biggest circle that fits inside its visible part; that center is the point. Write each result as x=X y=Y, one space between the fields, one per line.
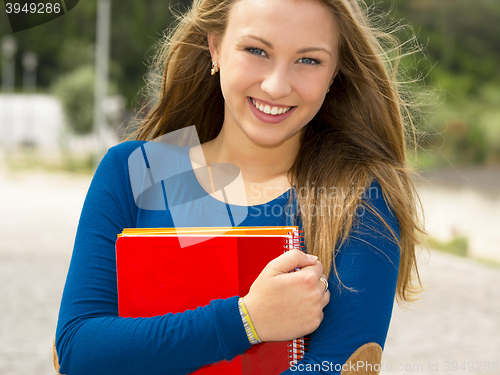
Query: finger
x=320 y=266
x=291 y=260
x=326 y=298
x=316 y=269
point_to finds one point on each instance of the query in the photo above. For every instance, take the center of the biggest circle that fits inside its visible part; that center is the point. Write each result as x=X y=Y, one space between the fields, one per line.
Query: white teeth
x=268 y=110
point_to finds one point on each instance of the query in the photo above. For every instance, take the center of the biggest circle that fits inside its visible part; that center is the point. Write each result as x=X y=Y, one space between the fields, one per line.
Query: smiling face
x=277 y=59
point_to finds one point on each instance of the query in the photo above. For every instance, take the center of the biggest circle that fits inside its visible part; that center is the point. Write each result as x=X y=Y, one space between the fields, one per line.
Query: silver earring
x=215 y=68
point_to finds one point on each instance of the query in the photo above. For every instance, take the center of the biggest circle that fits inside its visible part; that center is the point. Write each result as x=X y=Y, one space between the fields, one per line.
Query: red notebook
x=222 y=262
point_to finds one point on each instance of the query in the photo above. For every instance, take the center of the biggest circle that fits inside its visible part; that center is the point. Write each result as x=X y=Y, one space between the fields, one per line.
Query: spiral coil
x=298 y=347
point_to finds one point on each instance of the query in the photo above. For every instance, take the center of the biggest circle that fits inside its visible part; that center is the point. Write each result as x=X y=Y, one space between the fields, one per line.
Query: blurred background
x=68 y=92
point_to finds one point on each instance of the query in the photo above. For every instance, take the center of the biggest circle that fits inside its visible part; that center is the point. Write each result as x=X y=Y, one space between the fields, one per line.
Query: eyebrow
x=303 y=50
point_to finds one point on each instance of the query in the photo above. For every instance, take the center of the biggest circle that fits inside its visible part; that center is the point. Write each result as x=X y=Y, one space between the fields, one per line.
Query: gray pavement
x=456 y=323
x=38 y=218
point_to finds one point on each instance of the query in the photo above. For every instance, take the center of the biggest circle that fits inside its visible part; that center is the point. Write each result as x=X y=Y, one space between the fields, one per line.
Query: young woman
x=300 y=96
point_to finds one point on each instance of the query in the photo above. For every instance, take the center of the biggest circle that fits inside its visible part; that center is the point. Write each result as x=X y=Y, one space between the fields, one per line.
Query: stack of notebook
x=170 y=270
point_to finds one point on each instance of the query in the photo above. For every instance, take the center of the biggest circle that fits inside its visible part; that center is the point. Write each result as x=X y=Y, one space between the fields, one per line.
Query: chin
x=268 y=142
x=267 y=137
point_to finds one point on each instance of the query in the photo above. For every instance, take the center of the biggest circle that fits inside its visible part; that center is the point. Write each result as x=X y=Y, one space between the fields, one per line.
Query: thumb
x=292 y=259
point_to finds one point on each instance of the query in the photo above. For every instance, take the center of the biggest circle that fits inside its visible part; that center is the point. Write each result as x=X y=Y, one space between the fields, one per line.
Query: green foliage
x=458 y=245
x=82 y=164
x=462 y=59
x=75 y=90
x=461 y=40
x=466 y=129
x=462 y=35
x=67 y=43
x=75 y=52
x=30 y=159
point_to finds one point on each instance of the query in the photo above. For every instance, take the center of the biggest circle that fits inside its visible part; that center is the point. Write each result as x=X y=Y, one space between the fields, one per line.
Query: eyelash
x=250 y=49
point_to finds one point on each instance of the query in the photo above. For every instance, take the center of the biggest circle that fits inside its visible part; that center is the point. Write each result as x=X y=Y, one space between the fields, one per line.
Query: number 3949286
x=33 y=8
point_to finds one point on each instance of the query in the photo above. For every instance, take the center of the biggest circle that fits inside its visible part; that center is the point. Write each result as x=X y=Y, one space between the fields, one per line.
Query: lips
x=269 y=109
x=259 y=110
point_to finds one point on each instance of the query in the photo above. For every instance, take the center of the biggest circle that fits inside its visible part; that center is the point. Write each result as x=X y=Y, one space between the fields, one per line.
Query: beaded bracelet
x=252 y=335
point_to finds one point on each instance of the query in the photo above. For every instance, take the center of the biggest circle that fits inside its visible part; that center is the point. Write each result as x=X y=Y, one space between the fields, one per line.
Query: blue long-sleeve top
x=92 y=339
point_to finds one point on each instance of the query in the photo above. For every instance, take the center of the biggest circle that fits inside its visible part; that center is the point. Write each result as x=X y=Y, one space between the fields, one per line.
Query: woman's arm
x=368 y=263
x=91 y=338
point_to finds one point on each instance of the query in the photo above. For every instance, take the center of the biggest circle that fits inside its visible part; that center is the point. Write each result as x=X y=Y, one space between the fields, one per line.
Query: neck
x=258 y=163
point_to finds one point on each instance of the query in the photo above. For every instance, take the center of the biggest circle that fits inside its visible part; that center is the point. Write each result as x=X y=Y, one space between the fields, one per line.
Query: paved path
x=38 y=219
x=456 y=322
x=464 y=203
x=457 y=319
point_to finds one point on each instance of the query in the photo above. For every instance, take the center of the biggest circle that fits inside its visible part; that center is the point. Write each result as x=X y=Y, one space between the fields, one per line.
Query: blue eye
x=256 y=51
x=309 y=61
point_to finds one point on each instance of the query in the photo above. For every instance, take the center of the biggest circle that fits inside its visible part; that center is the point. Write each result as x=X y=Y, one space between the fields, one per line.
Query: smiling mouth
x=268 y=110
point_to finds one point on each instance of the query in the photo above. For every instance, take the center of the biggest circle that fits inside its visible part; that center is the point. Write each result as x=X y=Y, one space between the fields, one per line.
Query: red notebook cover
x=219 y=267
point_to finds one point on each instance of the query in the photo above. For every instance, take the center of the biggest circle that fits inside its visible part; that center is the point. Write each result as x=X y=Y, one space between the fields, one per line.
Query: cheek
x=242 y=74
x=311 y=92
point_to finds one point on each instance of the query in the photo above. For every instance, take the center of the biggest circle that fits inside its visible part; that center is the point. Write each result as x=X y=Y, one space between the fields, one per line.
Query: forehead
x=293 y=23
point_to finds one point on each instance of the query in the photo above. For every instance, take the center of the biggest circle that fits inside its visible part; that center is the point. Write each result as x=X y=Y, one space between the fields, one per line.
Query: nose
x=277 y=83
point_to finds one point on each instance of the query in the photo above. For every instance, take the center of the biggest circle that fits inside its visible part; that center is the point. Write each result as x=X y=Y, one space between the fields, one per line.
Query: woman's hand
x=284 y=305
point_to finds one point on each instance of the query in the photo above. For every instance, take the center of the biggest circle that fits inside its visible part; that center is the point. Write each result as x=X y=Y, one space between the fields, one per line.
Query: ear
x=213 y=45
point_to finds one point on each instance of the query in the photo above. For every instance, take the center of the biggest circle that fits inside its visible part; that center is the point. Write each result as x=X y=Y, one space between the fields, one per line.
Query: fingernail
x=312 y=257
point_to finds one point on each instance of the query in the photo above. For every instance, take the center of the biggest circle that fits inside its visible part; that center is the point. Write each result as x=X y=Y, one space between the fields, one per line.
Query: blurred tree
x=75 y=90
x=184 y=3
x=67 y=42
x=461 y=40
x=462 y=35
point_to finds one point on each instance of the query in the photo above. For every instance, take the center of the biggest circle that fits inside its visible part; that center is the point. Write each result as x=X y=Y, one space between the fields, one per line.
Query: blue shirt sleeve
x=360 y=313
x=91 y=338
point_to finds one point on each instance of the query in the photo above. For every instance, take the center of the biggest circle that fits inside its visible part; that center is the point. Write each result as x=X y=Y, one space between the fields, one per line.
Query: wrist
x=250 y=330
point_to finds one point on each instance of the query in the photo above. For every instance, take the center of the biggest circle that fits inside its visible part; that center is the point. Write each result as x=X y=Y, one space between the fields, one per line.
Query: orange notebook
x=222 y=262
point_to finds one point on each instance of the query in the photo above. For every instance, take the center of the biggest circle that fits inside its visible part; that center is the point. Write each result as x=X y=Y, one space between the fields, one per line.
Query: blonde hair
x=358 y=134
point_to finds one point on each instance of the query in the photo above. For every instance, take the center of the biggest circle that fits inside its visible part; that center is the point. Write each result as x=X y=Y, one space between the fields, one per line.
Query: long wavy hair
x=360 y=133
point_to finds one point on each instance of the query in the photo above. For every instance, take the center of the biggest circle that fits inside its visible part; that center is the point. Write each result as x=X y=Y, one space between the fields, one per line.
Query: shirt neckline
x=201 y=195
